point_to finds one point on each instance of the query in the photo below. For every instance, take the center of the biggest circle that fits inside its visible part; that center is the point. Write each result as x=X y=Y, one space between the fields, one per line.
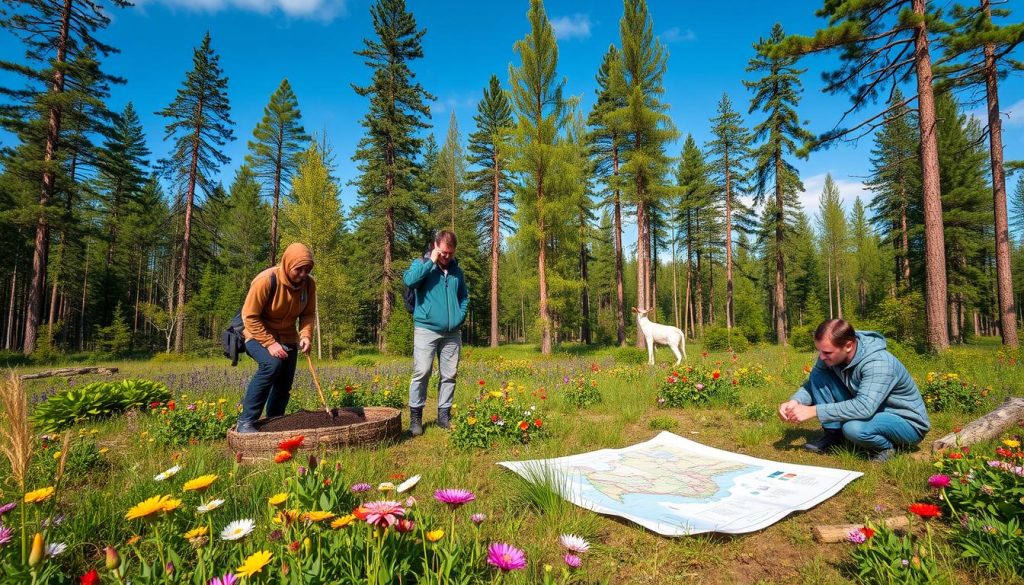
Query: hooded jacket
x=268 y=320
x=878 y=382
x=442 y=299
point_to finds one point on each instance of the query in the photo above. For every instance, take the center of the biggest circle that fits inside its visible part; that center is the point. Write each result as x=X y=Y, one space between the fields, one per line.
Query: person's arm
x=803 y=394
x=308 y=316
x=417 y=271
x=252 y=310
x=876 y=382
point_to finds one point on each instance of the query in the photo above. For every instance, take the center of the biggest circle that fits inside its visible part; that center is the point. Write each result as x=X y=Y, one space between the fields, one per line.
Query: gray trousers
x=425 y=345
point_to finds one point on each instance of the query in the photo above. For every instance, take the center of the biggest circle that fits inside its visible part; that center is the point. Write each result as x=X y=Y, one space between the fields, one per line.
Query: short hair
x=446 y=237
x=838 y=331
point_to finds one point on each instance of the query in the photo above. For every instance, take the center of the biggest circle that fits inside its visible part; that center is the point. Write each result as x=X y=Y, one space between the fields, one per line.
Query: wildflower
x=435 y=535
x=282 y=456
x=36 y=556
x=360 y=487
x=167 y=473
x=195 y=533
x=383 y=513
x=856 y=536
x=6 y=534
x=408 y=484
x=278 y=500
x=209 y=506
x=343 y=521
x=386 y=486
x=286 y=517
x=925 y=510
x=317 y=516
x=199 y=484
x=454 y=497
x=90 y=578
x=238 y=529
x=405 y=526
x=133 y=540
x=254 y=564
x=505 y=556
x=471 y=420
x=291 y=444
x=1013 y=444
x=537 y=423
x=904 y=562
x=226 y=579
x=39 y=495
x=148 y=508
x=572 y=560
x=524 y=426
x=574 y=543
x=275 y=535
x=55 y=548
x=716 y=375
x=7 y=508
x=938 y=481
x=478 y=518
x=170 y=504
x=410 y=502
x=699 y=386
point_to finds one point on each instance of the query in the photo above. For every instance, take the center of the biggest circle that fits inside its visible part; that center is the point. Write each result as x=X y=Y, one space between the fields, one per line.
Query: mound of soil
x=318 y=419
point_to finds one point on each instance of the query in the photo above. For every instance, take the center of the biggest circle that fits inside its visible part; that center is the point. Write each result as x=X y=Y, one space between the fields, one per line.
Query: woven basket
x=382 y=423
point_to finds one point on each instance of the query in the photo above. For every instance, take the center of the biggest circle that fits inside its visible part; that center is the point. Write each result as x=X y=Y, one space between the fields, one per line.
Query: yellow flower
x=134 y=540
x=278 y=499
x=147 y=508
x=195 y=533
x=435 y=535
x=496 y=394
x=471 y=420
x=104 y=450
x=387 y=486
x=254 y=564
x=171 y=505
x=317 y=516
x=387 y=393
x=199 y=484
x=286 y=517
x=56 y=455
x=221 y=400
x=39 y=495
x=343 y=521
x=1011 y=443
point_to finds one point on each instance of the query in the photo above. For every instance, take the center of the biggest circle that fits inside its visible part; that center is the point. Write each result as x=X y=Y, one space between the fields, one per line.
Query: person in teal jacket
x=442 y=300
x=860 y=393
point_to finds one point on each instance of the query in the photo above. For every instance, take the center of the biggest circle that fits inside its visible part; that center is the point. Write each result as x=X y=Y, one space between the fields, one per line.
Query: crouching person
x=442 y=299
x=277 y=297
x=860 y=393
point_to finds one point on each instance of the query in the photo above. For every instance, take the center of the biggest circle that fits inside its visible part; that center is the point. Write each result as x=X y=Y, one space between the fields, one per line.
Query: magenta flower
x=7 y=508
x=572 y=560
x=5 y=534
x=360 y=487
x=383 y=513
x=856 y=537
x=939 y=481
x=454 y=497
x=505 y=556
x=227 y=579
x=478 y=518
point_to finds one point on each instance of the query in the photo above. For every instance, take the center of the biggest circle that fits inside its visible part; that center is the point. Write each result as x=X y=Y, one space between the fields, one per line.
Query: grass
x=529 y=513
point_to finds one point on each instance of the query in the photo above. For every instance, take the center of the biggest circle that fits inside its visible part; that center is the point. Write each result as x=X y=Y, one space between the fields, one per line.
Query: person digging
x=860 y=393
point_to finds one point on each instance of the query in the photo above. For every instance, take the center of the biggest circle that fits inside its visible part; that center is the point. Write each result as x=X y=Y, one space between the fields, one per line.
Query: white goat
x=673 y=337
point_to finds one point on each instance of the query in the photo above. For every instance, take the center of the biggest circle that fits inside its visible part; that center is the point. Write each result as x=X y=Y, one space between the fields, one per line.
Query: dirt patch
x=314 y=420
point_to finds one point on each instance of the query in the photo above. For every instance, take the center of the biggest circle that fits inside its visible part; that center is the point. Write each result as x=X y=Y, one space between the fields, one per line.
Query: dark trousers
x=271 y=386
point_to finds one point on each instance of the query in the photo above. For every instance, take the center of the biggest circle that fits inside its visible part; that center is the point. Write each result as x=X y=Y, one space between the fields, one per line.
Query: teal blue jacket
x=441 y=299
x=878 y=382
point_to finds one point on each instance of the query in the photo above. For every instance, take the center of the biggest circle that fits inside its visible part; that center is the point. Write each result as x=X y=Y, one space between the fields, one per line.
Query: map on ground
x=677 y=487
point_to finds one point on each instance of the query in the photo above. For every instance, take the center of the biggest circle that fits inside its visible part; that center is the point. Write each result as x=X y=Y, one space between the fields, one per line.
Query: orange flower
x=925 y=510
x=537 y=423
x=282 y=456
x=171 y=405
x=523 y=425
x=360 y=512
x=716 y=375
x=292 y=443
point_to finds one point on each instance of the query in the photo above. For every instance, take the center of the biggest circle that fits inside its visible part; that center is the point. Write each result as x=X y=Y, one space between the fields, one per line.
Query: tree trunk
x=905 y=237
x=986 y=428
x=620 y=294
x=1004 y=278
x=699 y=301
x=934 y=244
x=545 y=317
x=278 y=162
x=585 y=296
x=675 y=286
x=389 y=245
x=839 y=291
x=495 y=246
x=643 y=238
x=9 y=338
x=728 y=244
x=85 y=294
x=954 y=323
x=780 y=260
x=831 y=312
x=186 y=239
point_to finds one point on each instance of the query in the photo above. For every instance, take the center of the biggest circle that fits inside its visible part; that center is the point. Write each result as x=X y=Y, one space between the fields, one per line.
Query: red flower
x=282 y=456
x=716 y=375
x=397 y=477
x=925 y=510
x=154 y=405
x=360 y=512
x=671 y=380
x=90 y=578
x=867 y=532
x=523 y=425
x=171 y=405
x=956 y=455
x=494 y=418
x=348 y=389
x=595 y=368
x=328 y=481
x=480 y=382
x=293 y=546
x=537 y=423
x=291 y=444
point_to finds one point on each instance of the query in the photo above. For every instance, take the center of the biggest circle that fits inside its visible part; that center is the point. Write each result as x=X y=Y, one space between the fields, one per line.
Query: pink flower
x=478 y=518
x=505 y=556
x=227 y=579
x=360 y=487
x=454 y=497
x=572 y=560
x=939 y=481
x=383 y=513
x=856 y=537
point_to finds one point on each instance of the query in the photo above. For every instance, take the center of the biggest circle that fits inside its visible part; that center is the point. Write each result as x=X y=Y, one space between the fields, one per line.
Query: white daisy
x=408 y=484
x=208 y=506
x=238 y=529
x=574 y=543
x=167 y=473
x=54 y=549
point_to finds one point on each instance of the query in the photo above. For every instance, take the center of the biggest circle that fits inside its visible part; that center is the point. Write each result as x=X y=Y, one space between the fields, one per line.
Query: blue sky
x=311 y=42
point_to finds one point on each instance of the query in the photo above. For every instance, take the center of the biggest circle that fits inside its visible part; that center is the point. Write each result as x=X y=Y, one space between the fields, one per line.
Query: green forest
x=109 y=251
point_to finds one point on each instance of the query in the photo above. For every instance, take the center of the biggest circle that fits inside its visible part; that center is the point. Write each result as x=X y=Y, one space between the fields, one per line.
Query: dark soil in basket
x=314 y=420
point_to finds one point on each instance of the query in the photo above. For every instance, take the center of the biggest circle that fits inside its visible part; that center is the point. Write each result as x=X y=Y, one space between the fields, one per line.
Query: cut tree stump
x=988 y=427
x=68 y=372
x=840 y=532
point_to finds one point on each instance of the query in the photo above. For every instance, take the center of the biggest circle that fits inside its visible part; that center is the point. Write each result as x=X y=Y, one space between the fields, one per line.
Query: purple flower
x=939 y=481
x=856 y=537
x=478 y=518
x=572 y=560
x=302 y=470
x=7 y=508
x=905 y=563
x=191 y=407
x=227 y=579
x=699 y=386
x=505 y=556
x=360 y=487
x=276 y=535
x=6 y=534
x=454 y=497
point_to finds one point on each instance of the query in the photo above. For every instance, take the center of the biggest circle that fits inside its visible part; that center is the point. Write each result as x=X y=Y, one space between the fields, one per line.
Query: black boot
x=444 y=418
x=416 y=421
x=830 y=440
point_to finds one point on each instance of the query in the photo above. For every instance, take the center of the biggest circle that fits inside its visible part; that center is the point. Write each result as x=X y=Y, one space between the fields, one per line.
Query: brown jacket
x=269 y=320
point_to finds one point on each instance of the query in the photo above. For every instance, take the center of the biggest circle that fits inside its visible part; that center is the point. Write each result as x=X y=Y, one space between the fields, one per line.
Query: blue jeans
x=271 y=385
x=425 y=345
x=882 y=431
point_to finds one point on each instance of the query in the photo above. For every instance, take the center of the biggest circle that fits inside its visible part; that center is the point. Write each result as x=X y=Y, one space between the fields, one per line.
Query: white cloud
x=576 y=26
x=849 y=190
x=324 y=10
x=678 y=35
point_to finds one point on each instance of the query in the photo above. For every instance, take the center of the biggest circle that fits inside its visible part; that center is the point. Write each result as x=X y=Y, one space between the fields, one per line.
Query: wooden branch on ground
x=988 y=427
x=840 y=532
x=69 y=372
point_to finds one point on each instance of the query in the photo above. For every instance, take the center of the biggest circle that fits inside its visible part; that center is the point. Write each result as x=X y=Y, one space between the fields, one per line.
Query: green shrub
x=947 y=391
x=758 y=412
x=802 y=338
x=631 y=355
x=83 y=457
x=662 y=423
x=398 y=335
x=886 y=557
x=497 y=418
x=363 y=361
x=96 y=400
x=581 y=392
x=379 y=392
x=721 y=339
x=697 y=386
x=178 y=424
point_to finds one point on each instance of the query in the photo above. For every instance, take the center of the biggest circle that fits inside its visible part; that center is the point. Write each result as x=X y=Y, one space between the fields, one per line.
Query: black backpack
x=232 y=339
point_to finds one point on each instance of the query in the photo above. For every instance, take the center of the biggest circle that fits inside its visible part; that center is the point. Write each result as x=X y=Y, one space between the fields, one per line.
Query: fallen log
x=988 y=427
x=840 y=532
x=69 y=372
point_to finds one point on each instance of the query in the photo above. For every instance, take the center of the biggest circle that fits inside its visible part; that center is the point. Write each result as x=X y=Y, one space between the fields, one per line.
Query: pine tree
x=386 y=154
x=979 y=50
x=866 y=257
x=832 y=226
x=699 y=219
x=607 y=145
x=453 y=175
x=278 y=141
x=883 y=43
x=540 y=114
x=54 y=35
x=777 y=95
x=731 y=150
x=489 y=151
x=200 y=124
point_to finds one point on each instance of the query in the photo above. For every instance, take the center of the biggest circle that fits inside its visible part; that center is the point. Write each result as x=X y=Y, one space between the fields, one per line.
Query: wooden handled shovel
x=319 y=390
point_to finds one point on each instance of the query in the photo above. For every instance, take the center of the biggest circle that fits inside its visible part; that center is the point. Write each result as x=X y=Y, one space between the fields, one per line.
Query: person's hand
x=800 y=413
x=304 y=345
x=786 y=410
x=435 y=253
x=277 y=350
